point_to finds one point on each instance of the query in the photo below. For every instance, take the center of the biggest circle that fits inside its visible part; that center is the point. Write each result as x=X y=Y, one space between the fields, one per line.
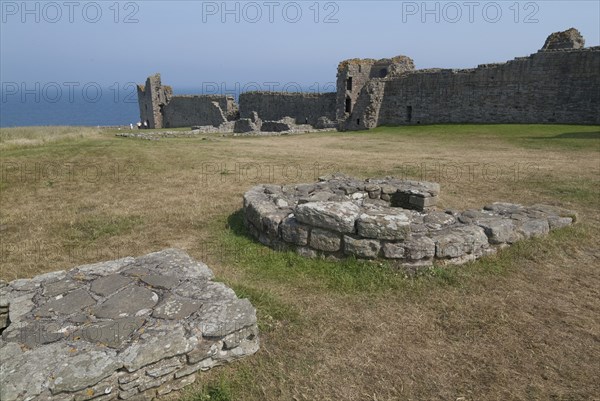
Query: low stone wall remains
x=388 y=218
x=129 y=329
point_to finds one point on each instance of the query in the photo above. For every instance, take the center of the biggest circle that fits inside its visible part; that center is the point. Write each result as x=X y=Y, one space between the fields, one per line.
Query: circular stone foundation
x=341 y=216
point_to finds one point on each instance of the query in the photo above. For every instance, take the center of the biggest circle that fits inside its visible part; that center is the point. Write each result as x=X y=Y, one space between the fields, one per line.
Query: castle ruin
x=558 y=84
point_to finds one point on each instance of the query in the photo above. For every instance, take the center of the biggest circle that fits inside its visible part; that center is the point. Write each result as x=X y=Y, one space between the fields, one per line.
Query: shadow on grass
x=235 y=222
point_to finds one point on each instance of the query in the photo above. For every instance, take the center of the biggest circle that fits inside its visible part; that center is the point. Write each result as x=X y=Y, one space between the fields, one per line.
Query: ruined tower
x=354 y=74
x=569 y=39
x=152 y=98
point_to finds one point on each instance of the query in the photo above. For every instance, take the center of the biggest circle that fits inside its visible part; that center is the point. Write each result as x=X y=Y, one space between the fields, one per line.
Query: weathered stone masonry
x=130 y=329
x=393 y=219
x=160 y=109
x=558 y=84
x=554 y=86
x=152 y=98
x=354 y=74
x=304 y=108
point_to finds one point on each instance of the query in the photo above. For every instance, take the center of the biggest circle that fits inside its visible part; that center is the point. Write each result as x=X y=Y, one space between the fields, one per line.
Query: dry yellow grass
x=523 y=325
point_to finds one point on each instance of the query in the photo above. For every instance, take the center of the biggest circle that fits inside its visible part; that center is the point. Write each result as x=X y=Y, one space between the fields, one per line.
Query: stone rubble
x=130 y=329
x=341 y=216
x=241 y=127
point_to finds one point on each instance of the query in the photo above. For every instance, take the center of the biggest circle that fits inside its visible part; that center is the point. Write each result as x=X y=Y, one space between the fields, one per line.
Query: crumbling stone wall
x=569 y=39
x=341 y=216
x=551 y=86
x=547 y=87
x=160 y=109
x=559 y=84
x=186 y=111
x=354 y=74
x=152 y=97
x=304 y=108
x=129 y=329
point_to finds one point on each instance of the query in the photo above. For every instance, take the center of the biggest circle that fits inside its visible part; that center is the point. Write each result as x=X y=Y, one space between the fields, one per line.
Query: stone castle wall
x=187 y=111
x=354 y=74
x=304 y=108
x=160 y=109
x=559 y=86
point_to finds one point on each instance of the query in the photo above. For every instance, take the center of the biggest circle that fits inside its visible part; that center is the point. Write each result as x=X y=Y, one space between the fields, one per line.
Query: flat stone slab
x=335 y=216
x=107 y=285
x=384 y=224
x=134 y=328
x=341 y=216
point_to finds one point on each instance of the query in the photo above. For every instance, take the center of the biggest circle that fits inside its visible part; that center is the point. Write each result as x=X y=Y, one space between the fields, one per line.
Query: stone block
x=458 y=241
x=325 y=123
x=422 y=203
x=438 y=220
x=499 y=230
x=128 y=302
x=245 y=125
x=335 y=216
x=294 y=232
x=533 y=228
x=417 y=248
x=555 y=222
x=363 y=248
x=176 y=384
x=276 y=126
x=324 y=240
x=392 y=250
x=384 y=225
x=175 y=307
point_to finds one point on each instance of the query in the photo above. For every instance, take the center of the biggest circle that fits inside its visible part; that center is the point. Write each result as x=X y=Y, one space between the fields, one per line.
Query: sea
x=100 y=107
x=59 y=105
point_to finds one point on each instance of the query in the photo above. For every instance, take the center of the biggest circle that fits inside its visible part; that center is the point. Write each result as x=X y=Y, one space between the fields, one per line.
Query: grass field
x=521 y=325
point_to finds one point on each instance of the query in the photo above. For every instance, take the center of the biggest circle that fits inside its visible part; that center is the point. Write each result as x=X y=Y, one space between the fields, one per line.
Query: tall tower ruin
x=152 y=98
x=354 y=74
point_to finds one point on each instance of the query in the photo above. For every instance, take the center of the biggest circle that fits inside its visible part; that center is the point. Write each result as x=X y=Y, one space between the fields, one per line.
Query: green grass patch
x=533 y=136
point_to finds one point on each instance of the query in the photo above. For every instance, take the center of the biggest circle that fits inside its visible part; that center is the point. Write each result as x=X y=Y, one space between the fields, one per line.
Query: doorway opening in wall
x=348 y=105
x=358 y=121
x=349 y=84
x=408 y=114
x=383 y=73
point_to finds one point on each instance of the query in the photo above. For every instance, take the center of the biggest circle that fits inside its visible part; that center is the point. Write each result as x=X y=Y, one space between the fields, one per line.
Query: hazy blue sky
x=190 y=44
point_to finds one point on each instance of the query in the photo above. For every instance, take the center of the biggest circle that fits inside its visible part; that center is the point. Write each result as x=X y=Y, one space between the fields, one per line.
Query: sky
x=197 y=45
